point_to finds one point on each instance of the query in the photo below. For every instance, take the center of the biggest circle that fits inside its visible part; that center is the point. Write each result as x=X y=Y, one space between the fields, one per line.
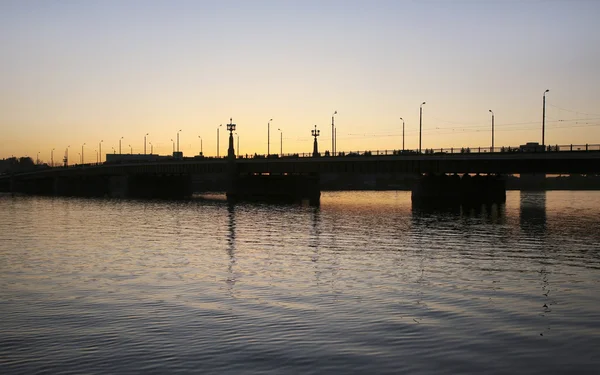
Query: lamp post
x=52 y=158
x=402 y=133
x=37 y=158
x=145 y=142
x=79 y=153
x=120 y=145
x=151 y=148
x=66 y=159
x=82 y=153
x=492 y=149
x=100 y=153
x=269 y=137
x=280 y=142
x=231 y=128
x=333 y=133
x=178 y=140
x=420 y=124
x=315 y=133
x=96 y=156
x=544 y=119
x=130 y=150
x=200 y=145
x=238 y=144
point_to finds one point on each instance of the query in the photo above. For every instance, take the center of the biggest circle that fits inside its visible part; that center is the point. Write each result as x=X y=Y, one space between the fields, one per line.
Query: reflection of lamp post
x=120 y=145
x=280 y=142
x=269 y=137
x=492 y=149
x=145 y=143
x=82 y=153
x=420 y=124
x=402 y=133
x=544 y=119
x=200 y=145
x=315 y=133
x=100 y=152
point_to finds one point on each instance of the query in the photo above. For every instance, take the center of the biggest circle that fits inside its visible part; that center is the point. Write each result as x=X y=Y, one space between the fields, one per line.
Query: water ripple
x=363 y=284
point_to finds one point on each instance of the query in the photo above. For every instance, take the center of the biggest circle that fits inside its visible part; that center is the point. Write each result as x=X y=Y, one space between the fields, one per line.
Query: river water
x=362 y=284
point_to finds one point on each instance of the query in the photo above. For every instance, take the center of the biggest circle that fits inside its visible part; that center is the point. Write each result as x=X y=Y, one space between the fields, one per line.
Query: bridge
x=174 y=178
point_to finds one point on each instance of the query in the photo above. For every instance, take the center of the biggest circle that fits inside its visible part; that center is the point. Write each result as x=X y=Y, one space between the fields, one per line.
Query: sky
x=82 y=72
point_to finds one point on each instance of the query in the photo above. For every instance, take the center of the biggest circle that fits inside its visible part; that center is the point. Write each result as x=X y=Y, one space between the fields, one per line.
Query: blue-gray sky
x=74 y=72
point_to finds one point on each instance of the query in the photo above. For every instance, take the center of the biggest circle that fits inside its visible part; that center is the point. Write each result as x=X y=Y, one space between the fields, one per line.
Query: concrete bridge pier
x=151 y=186
x=118 y=186
x=276 y=188
x=79 y=186
x=444 y=190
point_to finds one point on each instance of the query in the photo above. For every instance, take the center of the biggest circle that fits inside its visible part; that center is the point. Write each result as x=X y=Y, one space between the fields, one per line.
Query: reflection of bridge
x=176 y=177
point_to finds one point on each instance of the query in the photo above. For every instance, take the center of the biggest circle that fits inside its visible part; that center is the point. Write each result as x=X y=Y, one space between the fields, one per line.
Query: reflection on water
x=365 y=283
x=533 y=211
x=231 y=279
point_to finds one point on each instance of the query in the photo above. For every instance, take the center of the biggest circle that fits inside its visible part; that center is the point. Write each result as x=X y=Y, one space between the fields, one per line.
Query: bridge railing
x=444 y=150
x=427 y=151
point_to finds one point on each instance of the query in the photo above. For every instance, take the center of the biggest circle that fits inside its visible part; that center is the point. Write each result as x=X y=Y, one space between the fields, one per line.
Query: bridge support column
x=276 y=189
x=444 y=190
x=118 y=186
x=150 y=186
x=532 y=181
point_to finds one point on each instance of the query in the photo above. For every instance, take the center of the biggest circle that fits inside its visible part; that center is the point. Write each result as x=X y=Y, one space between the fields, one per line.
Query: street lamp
x=178 y=140
x=52 y=158
x=96 y=156
x=420 y=124
x=37 y=159
x=151 y=148
x=120 y=145
x=145 y=142
x=130 y=150
x=402 y=133
x=82 y=153
x=492 y=149
x=280 y=142
x=200 y=145
x=238 y=144
x=544 y=119
x=66 y=159
x=173 y=145
x=333 y=134
x=269 y=137
x=100 y=153
x=231 y=128
x=315 y=133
